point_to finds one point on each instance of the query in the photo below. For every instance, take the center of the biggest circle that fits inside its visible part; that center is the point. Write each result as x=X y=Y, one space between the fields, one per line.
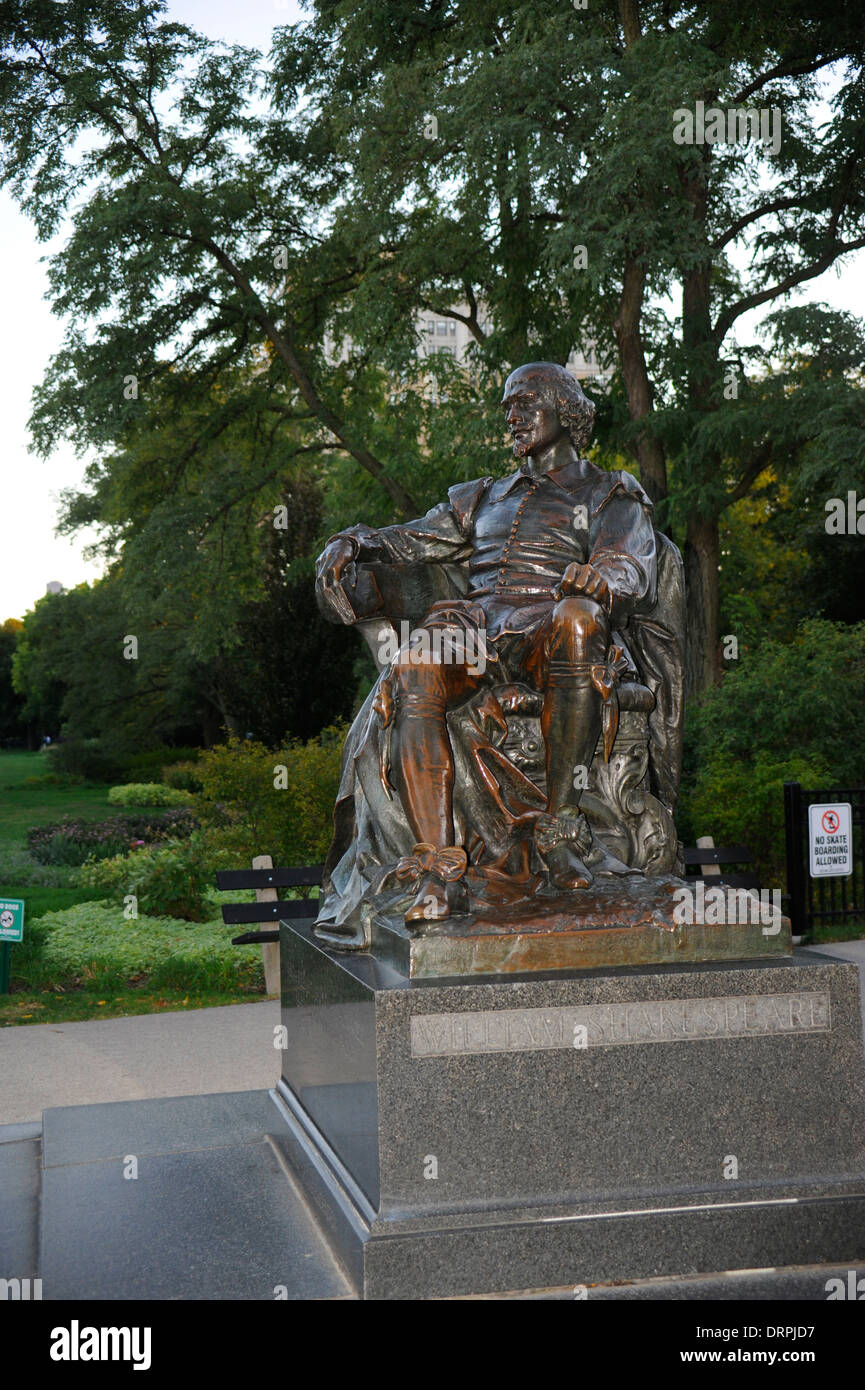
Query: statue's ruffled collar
x=567 y=478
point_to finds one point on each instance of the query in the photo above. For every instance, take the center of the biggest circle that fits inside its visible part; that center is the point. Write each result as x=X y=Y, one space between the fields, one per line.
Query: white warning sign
x=830 y=839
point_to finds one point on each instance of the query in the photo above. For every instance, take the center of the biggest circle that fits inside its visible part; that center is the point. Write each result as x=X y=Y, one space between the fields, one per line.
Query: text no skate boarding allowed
x=830 y=839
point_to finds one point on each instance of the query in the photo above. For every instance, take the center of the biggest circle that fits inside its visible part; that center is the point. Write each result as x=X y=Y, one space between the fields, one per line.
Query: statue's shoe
x=563 y=840
x=566 y=869
x=441 y=891
x=435 y=900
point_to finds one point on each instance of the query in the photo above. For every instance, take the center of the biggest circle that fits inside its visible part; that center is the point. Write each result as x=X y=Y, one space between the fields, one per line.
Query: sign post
x=11 y=929
x=830 y=839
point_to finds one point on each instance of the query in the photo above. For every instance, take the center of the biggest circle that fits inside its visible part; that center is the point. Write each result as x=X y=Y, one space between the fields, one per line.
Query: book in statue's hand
x=360 y=599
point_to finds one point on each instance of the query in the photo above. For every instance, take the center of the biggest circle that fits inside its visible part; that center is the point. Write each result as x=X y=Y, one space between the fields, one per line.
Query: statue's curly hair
x=576 y=412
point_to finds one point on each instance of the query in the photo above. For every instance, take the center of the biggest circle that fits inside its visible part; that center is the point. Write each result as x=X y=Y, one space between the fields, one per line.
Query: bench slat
x=227 y=879
x=725 y=880
x=254 y=938
x=735 y=854
x=269 y=912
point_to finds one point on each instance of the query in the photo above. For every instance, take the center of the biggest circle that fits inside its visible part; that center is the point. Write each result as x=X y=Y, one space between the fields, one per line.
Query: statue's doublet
x=517 y=536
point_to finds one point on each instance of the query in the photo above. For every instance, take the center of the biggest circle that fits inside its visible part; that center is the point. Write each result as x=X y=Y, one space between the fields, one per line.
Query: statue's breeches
x=555 y=652
x=544 y=641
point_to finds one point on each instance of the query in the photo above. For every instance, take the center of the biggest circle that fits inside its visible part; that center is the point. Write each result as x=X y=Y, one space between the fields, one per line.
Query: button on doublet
x=513 y=531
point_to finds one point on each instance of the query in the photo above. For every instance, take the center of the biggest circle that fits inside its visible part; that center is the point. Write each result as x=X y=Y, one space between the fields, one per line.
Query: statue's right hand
x=335 y=566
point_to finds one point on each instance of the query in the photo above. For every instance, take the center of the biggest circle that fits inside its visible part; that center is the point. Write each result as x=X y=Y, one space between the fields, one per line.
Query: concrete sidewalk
x=186 y=1053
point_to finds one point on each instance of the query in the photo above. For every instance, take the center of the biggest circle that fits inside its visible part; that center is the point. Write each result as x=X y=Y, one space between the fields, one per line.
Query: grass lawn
x=849 y=931
x=47 y=1006
x=72 y=993
x=25 y=806
x=41 y=900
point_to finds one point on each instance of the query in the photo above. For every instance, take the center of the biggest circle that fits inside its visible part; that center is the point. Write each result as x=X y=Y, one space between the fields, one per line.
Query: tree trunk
x=647 y=450
x=702 y=554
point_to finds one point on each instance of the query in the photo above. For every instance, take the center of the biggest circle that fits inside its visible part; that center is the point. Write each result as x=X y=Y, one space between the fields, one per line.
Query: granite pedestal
x=571 y=1129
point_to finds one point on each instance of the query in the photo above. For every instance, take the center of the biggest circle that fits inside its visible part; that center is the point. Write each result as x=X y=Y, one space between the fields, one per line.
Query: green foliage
x=742 y=803
x=12 y=723
x=152 y=764
x=87 y=758
x=788 y=698
x=183 y=776
x=170 y=880
x=278 y=803
x=40 y=900
x=787 y=711
x=19 y=866
x=302 y=201
x=94 y=946
x=54 y=779
x=147 y=794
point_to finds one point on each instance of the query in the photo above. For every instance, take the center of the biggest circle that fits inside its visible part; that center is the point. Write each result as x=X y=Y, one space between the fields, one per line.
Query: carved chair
x=628 y=799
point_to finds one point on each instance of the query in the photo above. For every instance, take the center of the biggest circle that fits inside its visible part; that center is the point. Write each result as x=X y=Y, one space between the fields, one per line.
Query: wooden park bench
x=268 y=907
x=703 y=861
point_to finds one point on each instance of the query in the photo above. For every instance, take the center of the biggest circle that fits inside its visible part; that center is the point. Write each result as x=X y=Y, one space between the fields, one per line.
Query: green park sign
x=11 y=929
x=11 y=919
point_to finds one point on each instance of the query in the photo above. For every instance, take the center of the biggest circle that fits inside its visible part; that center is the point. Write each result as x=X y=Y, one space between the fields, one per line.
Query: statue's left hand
x=585 y=581
x=335 y=564
x=519 y=699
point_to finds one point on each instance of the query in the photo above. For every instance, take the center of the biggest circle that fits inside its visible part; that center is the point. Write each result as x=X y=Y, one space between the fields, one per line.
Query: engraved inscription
x=613 y=1025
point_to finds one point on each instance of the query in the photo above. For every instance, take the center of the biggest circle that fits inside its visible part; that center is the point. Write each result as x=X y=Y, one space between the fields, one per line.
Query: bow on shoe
x=605 y=677
x=448 y=864
x=551 y=831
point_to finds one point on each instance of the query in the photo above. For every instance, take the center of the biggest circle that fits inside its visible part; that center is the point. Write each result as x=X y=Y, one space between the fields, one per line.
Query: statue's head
x=542 y=402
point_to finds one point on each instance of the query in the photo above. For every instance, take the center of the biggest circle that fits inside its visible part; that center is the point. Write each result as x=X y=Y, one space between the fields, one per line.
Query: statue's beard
x=521 y=448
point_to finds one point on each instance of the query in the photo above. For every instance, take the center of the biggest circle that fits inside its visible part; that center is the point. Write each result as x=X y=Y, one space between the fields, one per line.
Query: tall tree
x=13 y=727
x=526 y=157
x=285 y=224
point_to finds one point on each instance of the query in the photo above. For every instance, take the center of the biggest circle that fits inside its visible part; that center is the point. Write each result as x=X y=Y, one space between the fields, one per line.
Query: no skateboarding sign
x=830 y=840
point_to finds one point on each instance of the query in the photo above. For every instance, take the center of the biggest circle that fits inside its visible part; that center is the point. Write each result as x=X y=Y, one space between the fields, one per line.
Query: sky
x=32 y=555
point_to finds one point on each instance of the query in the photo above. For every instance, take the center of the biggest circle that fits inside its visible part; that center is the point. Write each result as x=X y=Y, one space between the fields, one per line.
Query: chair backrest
x=657 y=642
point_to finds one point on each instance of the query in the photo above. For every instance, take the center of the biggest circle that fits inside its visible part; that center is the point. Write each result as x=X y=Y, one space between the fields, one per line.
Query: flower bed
x=73 y=842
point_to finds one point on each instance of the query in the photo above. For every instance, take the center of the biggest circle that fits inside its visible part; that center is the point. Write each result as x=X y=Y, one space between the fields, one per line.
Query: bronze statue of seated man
x=557 y=556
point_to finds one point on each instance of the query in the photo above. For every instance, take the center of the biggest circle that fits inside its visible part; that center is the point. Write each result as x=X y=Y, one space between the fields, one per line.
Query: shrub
x=784 y=699
x=184 y=776
x=53 y=779
x=75 y=841
x=170 y=880
x=152 y=764
x=93 y=945
x=743 y=804
x=85 y=757
x=104 y=760
x=147 y=794
x=18 y=866
x=782 y=714
x=278 y=803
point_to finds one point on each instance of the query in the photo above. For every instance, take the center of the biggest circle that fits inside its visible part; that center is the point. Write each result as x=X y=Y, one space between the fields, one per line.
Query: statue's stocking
x=570 y=722
x=423 y=769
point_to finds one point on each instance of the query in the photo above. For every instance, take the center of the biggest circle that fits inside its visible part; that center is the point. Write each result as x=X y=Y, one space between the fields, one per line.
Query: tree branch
x=779 y=205
x=760 y=461
x=808 y=272
x=786 y=68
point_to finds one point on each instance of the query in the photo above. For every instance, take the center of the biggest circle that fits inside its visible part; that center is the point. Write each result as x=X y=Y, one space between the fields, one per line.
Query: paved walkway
x=195 y=1052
